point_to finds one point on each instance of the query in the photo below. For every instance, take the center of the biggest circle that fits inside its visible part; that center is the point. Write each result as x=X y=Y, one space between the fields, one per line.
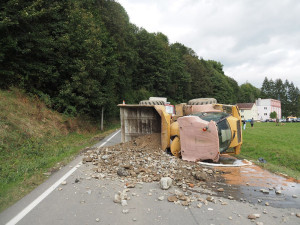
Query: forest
x=81 y=56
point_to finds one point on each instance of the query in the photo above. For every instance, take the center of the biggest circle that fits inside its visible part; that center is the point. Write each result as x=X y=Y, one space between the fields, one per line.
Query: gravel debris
x=142 y=160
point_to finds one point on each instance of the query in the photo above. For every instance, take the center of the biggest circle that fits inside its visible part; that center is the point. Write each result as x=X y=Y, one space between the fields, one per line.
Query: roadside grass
x=278 y=145
x=35 y=140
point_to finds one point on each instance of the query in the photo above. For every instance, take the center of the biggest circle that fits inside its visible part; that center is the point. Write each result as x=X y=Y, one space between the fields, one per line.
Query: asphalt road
x=90 y=201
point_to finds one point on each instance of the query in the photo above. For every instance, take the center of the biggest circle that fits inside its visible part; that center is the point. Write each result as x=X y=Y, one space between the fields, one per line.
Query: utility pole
x=102 y=118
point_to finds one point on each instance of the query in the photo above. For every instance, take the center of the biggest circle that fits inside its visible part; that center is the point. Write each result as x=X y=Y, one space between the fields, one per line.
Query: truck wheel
x=149 y=102
x=202 y=101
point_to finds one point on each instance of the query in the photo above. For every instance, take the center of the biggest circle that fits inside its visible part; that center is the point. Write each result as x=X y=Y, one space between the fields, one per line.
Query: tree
x=286 y=92
x=273 y=115
x=293 y=95
x=267 y=89
x=84 y=55
x=222 y=89
x=248 y=93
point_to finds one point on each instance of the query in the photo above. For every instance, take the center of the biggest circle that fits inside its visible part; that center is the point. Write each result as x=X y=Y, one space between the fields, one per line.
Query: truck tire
x=149 y=102
x=202 y=101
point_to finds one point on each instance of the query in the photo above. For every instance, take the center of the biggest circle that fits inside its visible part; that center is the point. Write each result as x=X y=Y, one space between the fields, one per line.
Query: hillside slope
x=33 y=142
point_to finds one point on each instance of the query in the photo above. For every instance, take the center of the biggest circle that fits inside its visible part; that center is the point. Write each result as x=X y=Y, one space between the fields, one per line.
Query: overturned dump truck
x=200 y=130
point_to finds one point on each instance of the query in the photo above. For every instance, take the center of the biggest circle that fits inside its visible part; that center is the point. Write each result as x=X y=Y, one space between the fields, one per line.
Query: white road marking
x=109 y=139
x=33 y=204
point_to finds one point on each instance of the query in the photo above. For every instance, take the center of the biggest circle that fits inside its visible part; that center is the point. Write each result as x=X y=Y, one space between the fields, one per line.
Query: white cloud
x=251 y=38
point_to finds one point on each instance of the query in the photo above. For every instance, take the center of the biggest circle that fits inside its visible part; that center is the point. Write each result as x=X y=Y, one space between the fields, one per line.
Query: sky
x=253 y=39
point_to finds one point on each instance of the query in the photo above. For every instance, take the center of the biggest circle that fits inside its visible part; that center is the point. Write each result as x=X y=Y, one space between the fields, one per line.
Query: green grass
x=35 y=140
x=278 y=145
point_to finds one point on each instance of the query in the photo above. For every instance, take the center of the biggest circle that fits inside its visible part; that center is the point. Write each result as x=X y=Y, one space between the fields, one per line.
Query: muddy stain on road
x=251 y=183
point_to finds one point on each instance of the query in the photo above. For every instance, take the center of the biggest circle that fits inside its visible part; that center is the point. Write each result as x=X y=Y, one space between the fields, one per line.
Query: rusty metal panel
x=137 y=120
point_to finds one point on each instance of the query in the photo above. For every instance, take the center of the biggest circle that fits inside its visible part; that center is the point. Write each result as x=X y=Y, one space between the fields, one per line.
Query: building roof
x=245 y=105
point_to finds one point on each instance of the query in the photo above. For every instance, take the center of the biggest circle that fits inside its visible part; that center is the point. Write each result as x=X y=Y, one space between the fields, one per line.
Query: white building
x=266 y=106
x=248 y=111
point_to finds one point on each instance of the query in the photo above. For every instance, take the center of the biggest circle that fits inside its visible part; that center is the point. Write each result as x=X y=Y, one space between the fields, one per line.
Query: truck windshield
x=224 y=130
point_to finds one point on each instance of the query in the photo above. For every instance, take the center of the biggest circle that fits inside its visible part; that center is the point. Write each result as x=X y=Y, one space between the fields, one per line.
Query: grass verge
x=278 y=145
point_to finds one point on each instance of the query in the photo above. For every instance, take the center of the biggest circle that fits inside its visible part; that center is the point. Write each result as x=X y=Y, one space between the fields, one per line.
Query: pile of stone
x=142 y=160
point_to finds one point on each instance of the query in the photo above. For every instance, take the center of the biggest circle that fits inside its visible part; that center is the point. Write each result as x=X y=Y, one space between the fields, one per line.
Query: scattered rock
x=161 y=198
x=294 y=196
x=134 y=219
x=60 y=188
x=252 y=216
x=199 y=205
x=117 y=198
x=64 y=182
x=201 y=199
x=130 y=185
x=172 y=198
x=191 y=185
x=182 y=197
x=220 y=189
x=230 y=218
x=210 y=172
x=259 y=223
x=165 y=183
x=267 y=204
x=124 y=202
x=104 y=157
x=125 y=211
x=122 y=172
x=199 y=175
x=224 y=203
x=210 y=199
x=76 y=180
x=230 y=197
x=185 y=203
x=210 y=209
x=265 y=191
x=97 y=219
x=298 y=215
x=278 y=192
x=120 y=197
x=87 y=159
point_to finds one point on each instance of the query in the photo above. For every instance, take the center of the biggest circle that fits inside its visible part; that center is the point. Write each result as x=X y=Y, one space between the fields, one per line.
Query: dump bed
x=139 y=120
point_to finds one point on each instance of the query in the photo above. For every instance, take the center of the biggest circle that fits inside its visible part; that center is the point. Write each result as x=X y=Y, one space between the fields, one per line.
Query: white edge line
x=109 y=139
x=33 y=204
